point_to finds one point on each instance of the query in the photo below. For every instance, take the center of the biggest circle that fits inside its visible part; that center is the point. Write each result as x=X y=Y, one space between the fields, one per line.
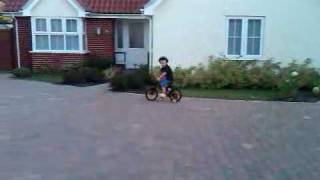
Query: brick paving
x=52 y=132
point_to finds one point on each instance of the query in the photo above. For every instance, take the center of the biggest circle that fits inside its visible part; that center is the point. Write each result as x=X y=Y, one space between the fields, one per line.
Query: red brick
x=56 y=60
x=25 y=40
x=100 y=45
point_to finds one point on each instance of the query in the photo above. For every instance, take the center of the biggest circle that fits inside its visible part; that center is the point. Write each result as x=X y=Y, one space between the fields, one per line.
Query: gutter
x=150 y=18
x=17 y=42
x=124 y=16
x=12 y=14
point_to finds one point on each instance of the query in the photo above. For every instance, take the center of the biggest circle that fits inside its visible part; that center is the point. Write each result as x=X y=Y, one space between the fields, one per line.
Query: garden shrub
x=265 y=76
x=308 y=75
x=74 y=76
x=22 y=72
x=132 y=80
x=182 y=77
x=98 y=63
x=222 y=73
x=120 y=82
x=289 y=86
x=109 y=73
x=93 y=75
x=83 y=75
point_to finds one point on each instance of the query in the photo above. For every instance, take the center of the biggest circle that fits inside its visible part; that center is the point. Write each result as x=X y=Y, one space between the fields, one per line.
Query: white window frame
x=80 y=32
x=244 y=38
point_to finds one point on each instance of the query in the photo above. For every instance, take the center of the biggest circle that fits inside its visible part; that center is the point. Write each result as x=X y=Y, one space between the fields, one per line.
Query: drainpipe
x=17 y=41
x=150 y=43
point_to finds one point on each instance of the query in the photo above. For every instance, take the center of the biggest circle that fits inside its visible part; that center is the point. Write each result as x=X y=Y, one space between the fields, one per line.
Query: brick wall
x=25 y=40
x=55 y=60
x=100 y=45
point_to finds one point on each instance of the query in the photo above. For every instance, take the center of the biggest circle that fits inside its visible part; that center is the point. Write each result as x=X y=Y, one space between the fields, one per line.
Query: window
x=235 y=32
x=245 y=37
x=56 y=25
x=41 y=25
x=120 y=34
x=42 y=42
x=72 y=25
x=57 y=34
x=136 y=35
x=254 y=37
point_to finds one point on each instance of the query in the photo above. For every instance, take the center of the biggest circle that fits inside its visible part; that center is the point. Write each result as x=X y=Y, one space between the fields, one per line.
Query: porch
x=132 y=43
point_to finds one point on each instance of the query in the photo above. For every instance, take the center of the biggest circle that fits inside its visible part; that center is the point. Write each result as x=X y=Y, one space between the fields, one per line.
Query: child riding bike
x=166 y=76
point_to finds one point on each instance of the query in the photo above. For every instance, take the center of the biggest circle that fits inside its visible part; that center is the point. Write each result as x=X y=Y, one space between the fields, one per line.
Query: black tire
x=152 y=94
x=175 y=95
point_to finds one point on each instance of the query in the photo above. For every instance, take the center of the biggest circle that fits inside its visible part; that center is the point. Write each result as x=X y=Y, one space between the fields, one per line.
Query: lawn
x=232 y=94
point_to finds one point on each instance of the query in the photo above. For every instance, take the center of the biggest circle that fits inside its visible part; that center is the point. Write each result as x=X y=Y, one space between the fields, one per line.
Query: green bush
x=83 y=75
x=132 y=80
x=74 y=76
x=93 y=75
x=109 y=73
x=22 y=72
x=98 y=63
x=288 y=87
x=222 y=73
x=120 y=82
x=308 y=75
x=265 y=76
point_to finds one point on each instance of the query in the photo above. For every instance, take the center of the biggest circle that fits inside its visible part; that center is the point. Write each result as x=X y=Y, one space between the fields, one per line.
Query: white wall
x=55 y=8
x=189 y=31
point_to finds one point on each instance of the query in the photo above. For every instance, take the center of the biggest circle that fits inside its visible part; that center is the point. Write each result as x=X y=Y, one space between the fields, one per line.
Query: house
x=135 y=32
x=60 y=33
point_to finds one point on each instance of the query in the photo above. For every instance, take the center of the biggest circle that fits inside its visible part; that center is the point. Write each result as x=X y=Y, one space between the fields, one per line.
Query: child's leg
x=164 y=90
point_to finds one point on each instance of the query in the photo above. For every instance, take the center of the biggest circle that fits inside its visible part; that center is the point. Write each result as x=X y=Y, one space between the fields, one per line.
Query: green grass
x=56 y=78
x=232 y=94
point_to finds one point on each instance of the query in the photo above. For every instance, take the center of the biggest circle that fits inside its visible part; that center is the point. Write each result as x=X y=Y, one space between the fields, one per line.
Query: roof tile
x=97 y=6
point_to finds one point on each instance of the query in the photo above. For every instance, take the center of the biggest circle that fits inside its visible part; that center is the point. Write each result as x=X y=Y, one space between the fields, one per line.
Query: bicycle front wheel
x=152 y=94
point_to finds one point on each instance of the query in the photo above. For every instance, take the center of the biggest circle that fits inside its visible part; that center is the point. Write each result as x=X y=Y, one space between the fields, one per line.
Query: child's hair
x=163 y=58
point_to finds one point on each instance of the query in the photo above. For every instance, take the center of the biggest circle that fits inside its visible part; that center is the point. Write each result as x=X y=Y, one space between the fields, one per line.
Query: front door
x=6 y=46
x=132 y=43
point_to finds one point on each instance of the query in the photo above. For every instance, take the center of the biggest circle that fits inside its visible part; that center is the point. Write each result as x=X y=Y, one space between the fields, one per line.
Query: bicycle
x=173 y=93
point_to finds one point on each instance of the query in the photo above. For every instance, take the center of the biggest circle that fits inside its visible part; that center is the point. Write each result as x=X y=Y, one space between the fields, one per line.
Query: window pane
x=253 y=46
x=42 y=42
x=72 y=42
x=254 y=37
x=254 y=28
x=41 y=25
x=234 y=46
x=136 y=33
x=235 y=27
x=57 y=42
x=71 y=25
x=120 y=34
x=234 y=39
x=56 y=25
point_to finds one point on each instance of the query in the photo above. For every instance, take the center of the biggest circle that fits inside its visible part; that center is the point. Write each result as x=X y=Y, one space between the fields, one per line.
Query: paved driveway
x=52 y=132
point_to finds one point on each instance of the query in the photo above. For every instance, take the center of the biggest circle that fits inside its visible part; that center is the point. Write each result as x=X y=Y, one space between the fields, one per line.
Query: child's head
x=163 y=61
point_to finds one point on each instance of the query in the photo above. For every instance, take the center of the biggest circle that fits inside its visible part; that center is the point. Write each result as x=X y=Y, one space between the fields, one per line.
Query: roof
x=95 y=6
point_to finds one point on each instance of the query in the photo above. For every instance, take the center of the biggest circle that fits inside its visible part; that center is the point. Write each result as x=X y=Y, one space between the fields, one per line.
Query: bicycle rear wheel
x=152 y=94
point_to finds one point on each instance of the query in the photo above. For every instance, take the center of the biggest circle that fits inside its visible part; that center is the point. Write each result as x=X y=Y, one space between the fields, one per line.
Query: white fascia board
x=117 y=16
x=26 y=9
x=151 y=6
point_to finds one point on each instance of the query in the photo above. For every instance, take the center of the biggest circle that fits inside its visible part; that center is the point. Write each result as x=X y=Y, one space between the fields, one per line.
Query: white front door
x=132 y=39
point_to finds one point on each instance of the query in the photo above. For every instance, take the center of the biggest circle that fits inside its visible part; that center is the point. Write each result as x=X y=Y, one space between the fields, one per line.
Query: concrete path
x=52 y=132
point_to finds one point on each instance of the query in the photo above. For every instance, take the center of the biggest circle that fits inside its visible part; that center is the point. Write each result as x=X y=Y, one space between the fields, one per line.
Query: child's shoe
x=162 y=95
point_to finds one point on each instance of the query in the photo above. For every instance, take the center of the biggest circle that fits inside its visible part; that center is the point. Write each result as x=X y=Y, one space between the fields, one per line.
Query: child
x=166 y=76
